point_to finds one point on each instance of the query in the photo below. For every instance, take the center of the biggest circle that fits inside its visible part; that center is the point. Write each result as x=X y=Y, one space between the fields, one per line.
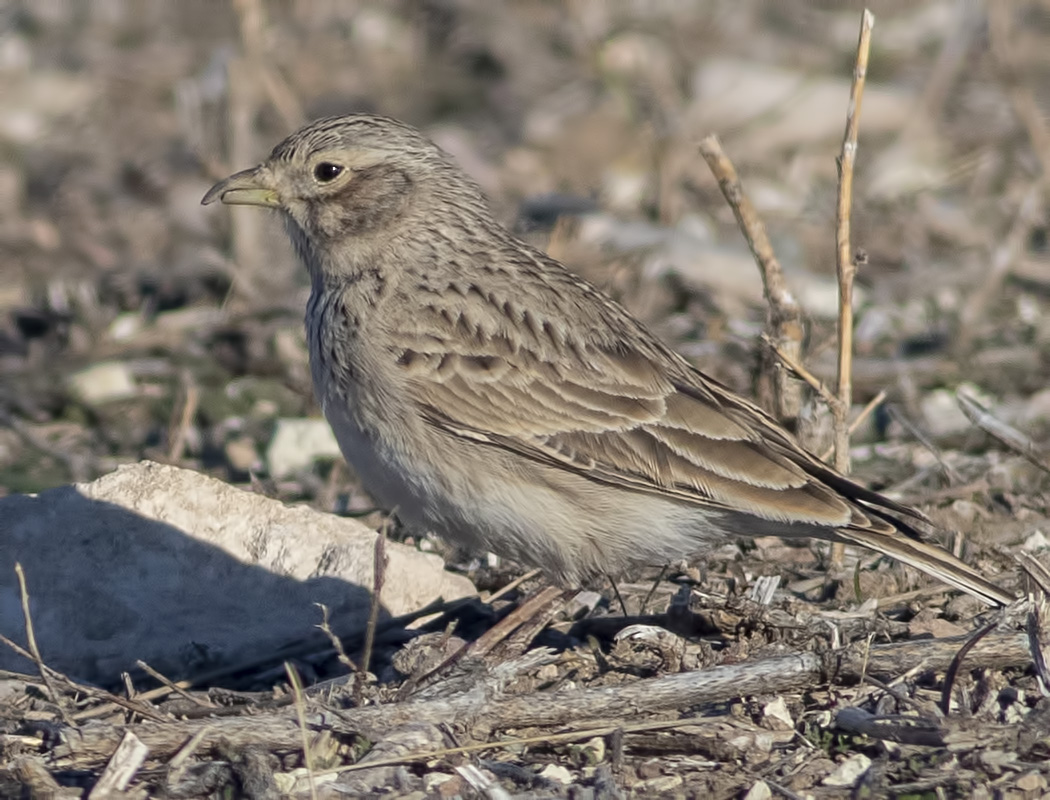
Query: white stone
x=759 y=791
x=777 y=716
x=1036 y=540
x=556 y=773
x=297 y=443
x=185 y=572
x=849 y=771
x=103 y=383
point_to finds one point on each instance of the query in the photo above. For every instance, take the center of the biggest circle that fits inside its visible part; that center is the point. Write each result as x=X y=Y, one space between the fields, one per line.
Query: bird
x=492 y=396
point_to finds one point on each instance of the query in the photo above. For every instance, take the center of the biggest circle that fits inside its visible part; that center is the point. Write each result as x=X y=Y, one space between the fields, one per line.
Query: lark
x=490 y=395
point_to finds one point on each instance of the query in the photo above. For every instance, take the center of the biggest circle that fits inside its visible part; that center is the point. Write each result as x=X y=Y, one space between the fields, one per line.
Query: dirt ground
x=135 y=323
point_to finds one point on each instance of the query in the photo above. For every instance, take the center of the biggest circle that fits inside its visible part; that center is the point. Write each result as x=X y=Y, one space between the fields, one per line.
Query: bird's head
x=344 y=182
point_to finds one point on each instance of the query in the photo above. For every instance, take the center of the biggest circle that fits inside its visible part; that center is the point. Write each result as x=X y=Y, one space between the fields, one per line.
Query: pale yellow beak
x=250 y=187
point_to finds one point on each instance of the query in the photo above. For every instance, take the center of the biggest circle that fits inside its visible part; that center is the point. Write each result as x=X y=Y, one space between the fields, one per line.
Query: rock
x=297 y=443
x=759 y=791
x=103 y=383
x=185 y=572
x=776 y=716
x=556 y=773
x=240 y=454
x=849 y=771
x=1035 y=541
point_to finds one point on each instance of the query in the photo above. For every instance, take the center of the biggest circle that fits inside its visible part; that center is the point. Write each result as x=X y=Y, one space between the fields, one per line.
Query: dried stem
x=300 y=712
x=784 y=320
x=845 y=265
x=999 y=430
x=34 y=651
x=378 y=577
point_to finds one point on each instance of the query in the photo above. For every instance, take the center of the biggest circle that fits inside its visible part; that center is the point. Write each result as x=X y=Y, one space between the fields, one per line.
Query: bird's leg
x=652 y=590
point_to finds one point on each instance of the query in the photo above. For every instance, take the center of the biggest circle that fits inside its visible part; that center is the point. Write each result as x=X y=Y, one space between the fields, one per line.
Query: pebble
x=297 y=443
x=849 y=771
x=103 y=382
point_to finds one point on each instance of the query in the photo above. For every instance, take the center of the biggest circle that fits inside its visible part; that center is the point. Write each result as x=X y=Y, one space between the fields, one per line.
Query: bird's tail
x=905 y=545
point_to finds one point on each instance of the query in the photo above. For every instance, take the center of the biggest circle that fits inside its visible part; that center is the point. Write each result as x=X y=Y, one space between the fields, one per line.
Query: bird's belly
x=575 y=531
x=389 y=476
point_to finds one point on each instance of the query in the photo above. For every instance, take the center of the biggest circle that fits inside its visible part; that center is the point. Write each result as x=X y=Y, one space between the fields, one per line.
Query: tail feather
x=928 y=558
x=902 y=541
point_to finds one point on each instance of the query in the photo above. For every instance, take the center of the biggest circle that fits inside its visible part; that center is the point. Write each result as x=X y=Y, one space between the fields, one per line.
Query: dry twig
x=300 y=712
x=172 y=686
x=845 y=262
x=953 y=668
x=980 y=416
x=784 y=321
x=34 y=651
x=180 y=427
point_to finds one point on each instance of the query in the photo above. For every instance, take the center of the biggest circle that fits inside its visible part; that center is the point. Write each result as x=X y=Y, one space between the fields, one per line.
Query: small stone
x=103 y=382
x=759 y=791
x=849 y=771
x=443 y=784
x=556 y=773
x=594 y=750
x=1031 y=782
x=125 y=326
x=241 y=454
x=583 y=604
x=776 y=716
x=297 y=443
x=1036 y=540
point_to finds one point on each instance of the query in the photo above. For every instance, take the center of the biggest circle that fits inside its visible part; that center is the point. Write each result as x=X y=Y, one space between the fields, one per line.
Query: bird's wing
x=623 y=411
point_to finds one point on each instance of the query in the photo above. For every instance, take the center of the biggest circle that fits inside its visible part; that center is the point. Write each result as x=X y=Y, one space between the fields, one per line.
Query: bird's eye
x=327 y=171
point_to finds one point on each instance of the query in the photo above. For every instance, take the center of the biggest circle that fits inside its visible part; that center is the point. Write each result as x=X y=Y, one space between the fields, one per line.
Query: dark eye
x=327 y=171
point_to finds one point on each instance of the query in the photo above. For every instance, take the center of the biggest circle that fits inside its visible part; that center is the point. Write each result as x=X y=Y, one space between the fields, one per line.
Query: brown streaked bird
x=492 y=396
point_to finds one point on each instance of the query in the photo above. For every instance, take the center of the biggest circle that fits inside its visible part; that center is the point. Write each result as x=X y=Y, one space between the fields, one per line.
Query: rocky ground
x=137 y=325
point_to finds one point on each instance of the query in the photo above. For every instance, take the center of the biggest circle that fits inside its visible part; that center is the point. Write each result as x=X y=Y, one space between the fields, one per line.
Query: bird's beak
x=251 y=187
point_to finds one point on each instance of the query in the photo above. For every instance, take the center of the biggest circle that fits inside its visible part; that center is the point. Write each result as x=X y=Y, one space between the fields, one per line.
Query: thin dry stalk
x=514 y=584
x=179 y=428
x=845 y=264
x=953 y=668
x=300 y=712
x=999 y=430
x=796 y=366
x=1036 y=572
x=379 y=562
x=337 y=643
x=865 y=412
x=113 y=700
x=784 y=320
x=34 y=651
x=846 y=267
x=926 y=442
x=172 y=686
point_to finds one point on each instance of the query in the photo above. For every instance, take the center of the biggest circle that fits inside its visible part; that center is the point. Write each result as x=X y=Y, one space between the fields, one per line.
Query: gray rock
x=185 y=572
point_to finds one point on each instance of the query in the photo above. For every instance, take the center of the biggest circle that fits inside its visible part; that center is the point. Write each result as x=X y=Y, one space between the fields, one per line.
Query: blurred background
x=135 y=323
